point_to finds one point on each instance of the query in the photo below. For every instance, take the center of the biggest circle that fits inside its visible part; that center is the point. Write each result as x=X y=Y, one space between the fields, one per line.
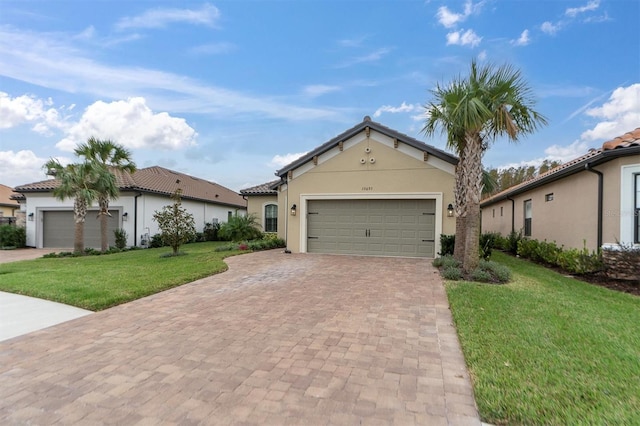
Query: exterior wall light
x=450 y=210
x=31 y=216
x=125 y=216
x=293 y=210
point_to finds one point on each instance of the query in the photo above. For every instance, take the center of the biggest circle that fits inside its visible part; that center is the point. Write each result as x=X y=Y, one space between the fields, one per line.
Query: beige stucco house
x=8 y=206
x=370 y=191
x=593 y=199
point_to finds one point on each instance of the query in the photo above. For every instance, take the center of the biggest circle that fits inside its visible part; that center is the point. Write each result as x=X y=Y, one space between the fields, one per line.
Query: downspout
x=513 y=214
x=588 y=168
x=135 y=218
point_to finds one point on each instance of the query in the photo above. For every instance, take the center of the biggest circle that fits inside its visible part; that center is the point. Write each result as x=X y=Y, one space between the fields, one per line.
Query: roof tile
x=262 y=189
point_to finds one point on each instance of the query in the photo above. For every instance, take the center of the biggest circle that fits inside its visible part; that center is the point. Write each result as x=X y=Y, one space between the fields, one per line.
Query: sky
x=231 y=91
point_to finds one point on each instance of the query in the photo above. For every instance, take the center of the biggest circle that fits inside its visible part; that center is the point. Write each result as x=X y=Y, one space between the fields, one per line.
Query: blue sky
x=231 y=91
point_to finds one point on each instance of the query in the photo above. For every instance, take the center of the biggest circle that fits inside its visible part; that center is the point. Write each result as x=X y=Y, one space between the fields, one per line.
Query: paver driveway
x=277 y=339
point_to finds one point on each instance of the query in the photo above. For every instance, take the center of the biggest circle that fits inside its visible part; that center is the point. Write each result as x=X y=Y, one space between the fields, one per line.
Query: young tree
x=75 y=182
x=474 y=111
x=103 y=157
x=177 y=226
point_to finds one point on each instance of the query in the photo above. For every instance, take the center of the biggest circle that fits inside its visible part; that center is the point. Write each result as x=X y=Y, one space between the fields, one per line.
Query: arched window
x=271 y=218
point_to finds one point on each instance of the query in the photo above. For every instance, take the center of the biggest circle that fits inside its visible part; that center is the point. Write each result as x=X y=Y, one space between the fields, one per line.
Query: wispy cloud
x=212 y=48
x=523 y=40
x=161 y=17
x=279 y=161
x=550 y=28
x=50 y=60
x=463 y=38
x=374 y=56
x=450 y=19
x=316 y=90
x=573 y=11
x=352 y=42
x=403 y=108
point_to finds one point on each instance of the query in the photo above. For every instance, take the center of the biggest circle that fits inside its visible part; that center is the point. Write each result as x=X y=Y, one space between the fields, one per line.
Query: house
x=8 y=206
x=369 y=191
x=50 y=221
x=593 y=200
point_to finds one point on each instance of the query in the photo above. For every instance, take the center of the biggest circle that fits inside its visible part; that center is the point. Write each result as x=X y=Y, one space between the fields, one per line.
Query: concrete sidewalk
x=21 y=314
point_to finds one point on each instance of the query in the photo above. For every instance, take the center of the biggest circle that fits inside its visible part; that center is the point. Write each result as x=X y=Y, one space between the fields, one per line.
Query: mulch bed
x=601 y=279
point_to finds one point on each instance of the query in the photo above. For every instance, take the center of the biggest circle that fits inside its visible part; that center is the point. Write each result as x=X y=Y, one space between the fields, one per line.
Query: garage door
x=59 y=228
x=372 y=227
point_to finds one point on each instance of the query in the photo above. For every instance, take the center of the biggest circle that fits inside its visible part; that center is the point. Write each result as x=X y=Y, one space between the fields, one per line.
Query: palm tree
x=491 y=102
x=74 y=182
x=104 y=156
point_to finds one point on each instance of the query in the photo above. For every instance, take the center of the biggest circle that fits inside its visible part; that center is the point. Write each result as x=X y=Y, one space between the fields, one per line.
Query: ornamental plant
x=177 y=226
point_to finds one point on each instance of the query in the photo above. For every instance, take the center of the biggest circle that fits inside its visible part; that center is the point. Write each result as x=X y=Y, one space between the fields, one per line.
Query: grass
x=99 y=282
x=549 y=350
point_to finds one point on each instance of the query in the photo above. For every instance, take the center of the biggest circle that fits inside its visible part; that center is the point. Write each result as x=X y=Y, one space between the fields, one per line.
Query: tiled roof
x=5 y=197
x=609 y=150
x=159 y=180
x=367 y=122
x=262 y=189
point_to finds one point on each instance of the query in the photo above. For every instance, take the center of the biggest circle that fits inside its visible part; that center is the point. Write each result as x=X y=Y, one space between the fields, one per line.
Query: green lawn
x=549 y=350
x=99 y=282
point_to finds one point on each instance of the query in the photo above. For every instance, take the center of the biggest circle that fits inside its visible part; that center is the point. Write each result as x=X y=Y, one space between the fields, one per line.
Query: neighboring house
x=50 y=222
x=8 y=206
x=593 y=199
x=262 y=201
x=370 y=190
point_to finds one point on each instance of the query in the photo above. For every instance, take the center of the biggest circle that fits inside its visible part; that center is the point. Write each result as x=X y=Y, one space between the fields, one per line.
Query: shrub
x=539 y=251
x=511 y=243
x=121 y=238
x=176 y=223
x=210 y=231
x=452 y=273
x=446 y=262
x=481 y=275
x=447 y=244
x=498 y=273
x=13 y=236
x=580 y=261
x=240 y=228
x=487 y=243
x=156 y=241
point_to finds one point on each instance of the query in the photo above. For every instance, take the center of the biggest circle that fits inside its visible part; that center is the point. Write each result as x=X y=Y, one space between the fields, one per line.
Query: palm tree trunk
x=473 y=172
x=460 y=211
x=79 y=213
x=104 y=223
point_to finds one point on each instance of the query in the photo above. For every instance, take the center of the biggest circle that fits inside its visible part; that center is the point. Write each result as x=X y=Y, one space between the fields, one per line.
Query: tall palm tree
x=75 y=181
x=104 y=156
x=490 y=103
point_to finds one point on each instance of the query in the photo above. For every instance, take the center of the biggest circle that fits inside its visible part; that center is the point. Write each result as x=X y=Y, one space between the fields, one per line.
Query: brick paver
x=277 y=339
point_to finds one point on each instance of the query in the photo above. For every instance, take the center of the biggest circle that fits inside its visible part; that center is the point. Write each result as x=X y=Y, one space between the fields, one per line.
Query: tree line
x=497 y=180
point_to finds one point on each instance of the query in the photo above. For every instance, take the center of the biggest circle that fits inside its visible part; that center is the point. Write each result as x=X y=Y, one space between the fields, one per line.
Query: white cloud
x=404 y=107
x=130 y=123
x=352 y=42
x=573 y=11
x=49 y=60
x=482 y=56
x=466 y=38
x=29 y=109
x=161 y=17
x=566 y=153
x=374 y=56
x=21 y=167
x=523 y=40
x=279 y=161
x=450 y=19
x=620 y=114
x=549 y=28
x=316 y=90
x=212 y=48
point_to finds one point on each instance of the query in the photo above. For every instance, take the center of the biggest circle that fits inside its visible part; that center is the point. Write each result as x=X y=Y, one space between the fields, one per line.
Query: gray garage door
x=372 y=227
x=59 y=227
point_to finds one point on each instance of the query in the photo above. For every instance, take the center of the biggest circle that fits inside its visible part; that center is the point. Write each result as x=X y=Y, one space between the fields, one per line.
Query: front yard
x=99 y=282
x=548 y=349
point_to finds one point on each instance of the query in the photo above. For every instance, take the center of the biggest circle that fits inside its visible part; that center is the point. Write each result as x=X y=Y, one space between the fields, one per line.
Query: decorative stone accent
x=622 y=262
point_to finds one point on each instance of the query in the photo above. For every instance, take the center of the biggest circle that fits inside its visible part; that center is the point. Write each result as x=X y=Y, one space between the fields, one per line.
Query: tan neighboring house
x=50 y=221
x=8 y=206
x=593 y=199
x=369 y=191
x=262 y=201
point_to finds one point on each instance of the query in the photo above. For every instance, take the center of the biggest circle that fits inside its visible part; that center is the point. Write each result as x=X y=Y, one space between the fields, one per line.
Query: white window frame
x=627 y=203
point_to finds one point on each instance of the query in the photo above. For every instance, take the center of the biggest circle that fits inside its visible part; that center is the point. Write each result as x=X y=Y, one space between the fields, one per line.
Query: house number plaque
x=367 y=188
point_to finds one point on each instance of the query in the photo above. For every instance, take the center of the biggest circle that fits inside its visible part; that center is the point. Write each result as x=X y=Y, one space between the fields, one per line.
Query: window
x=527 y=218
x=271 y=218
x=494 y=212
x=548 y=197
x=501 y=211
x=229 y=215
x=636 y=212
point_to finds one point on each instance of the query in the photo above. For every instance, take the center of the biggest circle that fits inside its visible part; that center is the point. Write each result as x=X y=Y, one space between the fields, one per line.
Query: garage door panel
x=58 y=228
x=372 y=227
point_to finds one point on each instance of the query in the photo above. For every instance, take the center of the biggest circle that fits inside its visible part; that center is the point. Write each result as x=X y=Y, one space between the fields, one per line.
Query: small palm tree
x=104 y=156
x=489 y=103
x=75 y=181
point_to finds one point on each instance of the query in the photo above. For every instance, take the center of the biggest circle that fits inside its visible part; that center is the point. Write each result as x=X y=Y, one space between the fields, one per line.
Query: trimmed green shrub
x=452 y=273
x=13 y=236
x=121 y=238
x=157 y=242
x=498 y=273
x=447 y=244
x=446 y=262
x=580 y=261
x=511 y=243
x=210 y=231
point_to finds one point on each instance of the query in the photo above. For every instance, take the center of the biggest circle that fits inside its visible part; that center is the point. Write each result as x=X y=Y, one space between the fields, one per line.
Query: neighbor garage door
x=372 y=227
x=59 y=228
